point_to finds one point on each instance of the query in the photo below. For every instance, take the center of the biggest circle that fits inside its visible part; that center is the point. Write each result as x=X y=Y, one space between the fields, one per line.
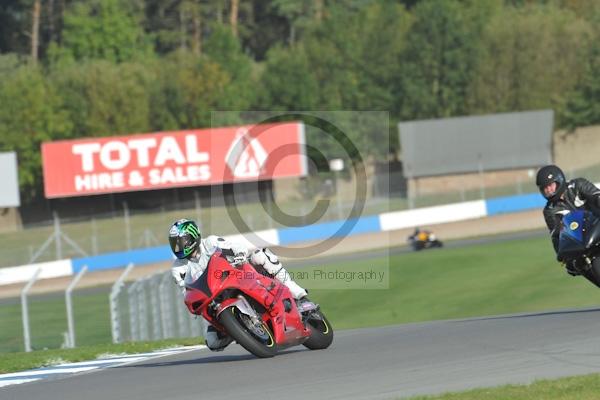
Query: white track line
x=17 y=378
x=49 y=371
x=17 y=381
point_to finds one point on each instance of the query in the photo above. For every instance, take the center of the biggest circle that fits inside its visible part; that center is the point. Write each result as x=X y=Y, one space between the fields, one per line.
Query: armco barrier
x=368 y=224
x=268 y=237
x=52 y=269
x=504 y=205
x=122 y=258
x=329 y=229
x=432 y=215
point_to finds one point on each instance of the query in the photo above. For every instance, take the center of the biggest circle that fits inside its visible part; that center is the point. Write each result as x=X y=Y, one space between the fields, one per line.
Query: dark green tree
x=583 y=105
x=288 y=82
x=346 y=63
x=32 y=112
x=104 y=29
x=438 y=63
x=105 y=98
x=531 y=59
x=188 y=87
x=223 y=48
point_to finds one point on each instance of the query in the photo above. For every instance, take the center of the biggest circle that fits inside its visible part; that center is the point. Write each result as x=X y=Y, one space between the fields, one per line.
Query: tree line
x=77 y=68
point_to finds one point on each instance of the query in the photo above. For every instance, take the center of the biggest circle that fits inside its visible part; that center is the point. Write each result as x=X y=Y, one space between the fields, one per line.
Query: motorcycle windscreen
x=570 y=243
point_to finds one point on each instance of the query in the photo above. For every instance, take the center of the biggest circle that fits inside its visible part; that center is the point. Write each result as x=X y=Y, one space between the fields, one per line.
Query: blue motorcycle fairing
x=579 y=232
x=573 y=224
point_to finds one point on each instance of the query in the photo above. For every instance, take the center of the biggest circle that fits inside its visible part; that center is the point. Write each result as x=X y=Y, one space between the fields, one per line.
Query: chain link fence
x=147 y=309
x=151 y=308
x=130 y=228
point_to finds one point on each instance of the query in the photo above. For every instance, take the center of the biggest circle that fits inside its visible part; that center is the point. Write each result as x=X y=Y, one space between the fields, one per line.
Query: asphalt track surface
x=378 y=363
x=374 y=363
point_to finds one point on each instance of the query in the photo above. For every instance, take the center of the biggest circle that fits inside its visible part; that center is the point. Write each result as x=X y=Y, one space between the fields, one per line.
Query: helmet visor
x=182 y=246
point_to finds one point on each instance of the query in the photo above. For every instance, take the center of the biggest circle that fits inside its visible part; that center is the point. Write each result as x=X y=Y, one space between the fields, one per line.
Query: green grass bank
x=586 y=387
x=490 y=279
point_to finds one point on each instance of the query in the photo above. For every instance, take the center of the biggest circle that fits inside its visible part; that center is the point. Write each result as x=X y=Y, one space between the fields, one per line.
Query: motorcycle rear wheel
x=257 y=340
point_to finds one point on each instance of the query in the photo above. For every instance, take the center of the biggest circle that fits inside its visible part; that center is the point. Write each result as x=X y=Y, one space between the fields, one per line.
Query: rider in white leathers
x=193 y=254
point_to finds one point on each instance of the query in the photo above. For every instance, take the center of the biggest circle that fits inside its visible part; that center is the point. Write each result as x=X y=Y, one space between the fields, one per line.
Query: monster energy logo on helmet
x=184 y=237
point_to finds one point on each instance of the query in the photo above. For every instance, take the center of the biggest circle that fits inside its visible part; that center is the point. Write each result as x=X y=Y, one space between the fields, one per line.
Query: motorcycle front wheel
x=257 y=339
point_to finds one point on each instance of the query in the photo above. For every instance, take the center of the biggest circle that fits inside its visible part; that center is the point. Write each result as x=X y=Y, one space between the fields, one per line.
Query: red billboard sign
x=173 y=159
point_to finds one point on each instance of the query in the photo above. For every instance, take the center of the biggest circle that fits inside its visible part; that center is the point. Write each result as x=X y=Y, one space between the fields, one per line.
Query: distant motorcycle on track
x=257 y=311
x=579 y=243
x=421 y=240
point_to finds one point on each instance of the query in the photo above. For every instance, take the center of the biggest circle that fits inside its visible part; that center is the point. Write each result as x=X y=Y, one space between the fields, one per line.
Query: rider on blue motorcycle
x=564 y=196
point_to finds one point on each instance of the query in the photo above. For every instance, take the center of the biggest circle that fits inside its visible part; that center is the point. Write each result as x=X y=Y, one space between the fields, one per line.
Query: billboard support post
x=270 y=208
x=336 y=165
x=57 y=238
x=481 y=178
x=198 y=208
x=94 y=237
x=127 y=226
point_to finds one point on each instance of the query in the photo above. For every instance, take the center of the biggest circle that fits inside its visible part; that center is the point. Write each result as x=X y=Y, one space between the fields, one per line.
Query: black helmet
x=184 y=238
x=547 y=175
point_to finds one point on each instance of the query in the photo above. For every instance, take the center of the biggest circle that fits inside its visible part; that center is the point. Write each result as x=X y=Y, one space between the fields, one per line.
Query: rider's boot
x=215 y=340
x=305 y=305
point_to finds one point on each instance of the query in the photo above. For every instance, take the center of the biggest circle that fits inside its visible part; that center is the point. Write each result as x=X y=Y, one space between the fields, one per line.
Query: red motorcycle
x=257 y=311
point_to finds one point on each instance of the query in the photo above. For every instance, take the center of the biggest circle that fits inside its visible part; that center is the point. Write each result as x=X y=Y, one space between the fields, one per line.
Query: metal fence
x=129 y=228
x=147 y=309
x=151 y=308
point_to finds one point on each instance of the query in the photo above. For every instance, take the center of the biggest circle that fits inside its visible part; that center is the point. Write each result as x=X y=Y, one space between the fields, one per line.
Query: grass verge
x=48 y=321
x=586 y=387
x=488 y=279
x=12 y=362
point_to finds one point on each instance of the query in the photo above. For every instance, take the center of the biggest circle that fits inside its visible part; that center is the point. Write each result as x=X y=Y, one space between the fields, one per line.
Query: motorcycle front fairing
x=579 y=232
x=220 y=278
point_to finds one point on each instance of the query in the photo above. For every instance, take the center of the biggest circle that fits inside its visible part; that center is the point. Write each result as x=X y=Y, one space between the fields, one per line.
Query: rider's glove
x=239 y=259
